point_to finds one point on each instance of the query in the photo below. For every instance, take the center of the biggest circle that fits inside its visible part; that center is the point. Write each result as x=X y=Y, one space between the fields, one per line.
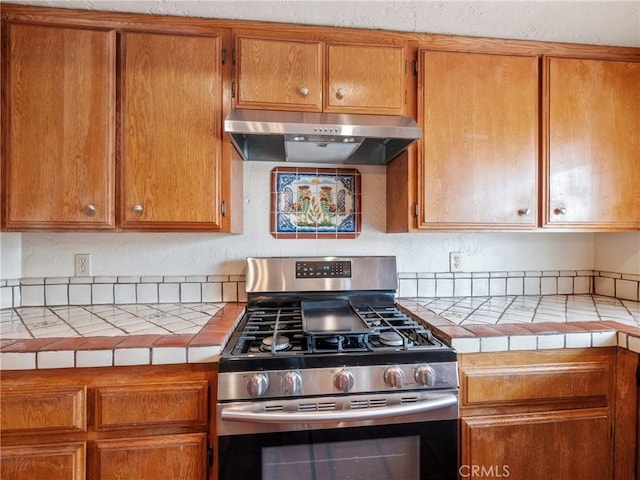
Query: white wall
x=617 y=252
x=596 y=22
x=614 y=23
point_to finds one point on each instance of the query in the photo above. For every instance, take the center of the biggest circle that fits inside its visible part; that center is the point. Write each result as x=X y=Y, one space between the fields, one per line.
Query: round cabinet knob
x=138 y=209
x=394 y=377
x=524 y=212
x=257 y=385
x=341 y=92
x=292 y=383
x=304 y=91
x=560 y=211
x=343 y=380
x=425 y=375
x=90 y=210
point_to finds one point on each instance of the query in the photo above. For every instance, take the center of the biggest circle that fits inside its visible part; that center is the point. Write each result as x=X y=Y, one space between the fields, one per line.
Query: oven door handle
x=245 y=415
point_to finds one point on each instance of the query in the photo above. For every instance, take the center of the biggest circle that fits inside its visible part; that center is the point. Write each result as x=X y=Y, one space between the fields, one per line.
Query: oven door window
x=408 y=451
x=385 y=458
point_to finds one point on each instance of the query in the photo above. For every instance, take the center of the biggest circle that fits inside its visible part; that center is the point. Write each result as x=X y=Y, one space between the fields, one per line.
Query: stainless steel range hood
x=269 y=135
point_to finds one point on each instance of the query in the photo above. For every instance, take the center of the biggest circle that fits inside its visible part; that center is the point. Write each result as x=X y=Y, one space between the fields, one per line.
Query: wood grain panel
x=566 y=444
x=627 y=413
x=593 y=158
x=160 y=458
x=534 y=383
x=42 y=409
x=60 y=96
x=171 y=124
x=64 y=461
x=177 y=404
x=271 y=74
x=371 y=76
x=479 y=114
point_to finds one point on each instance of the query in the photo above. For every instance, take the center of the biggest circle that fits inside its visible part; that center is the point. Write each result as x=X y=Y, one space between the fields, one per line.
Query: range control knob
x=343 y=380
x=292 y=383
x=257 y=385
x=425 y=375
x=394 y=377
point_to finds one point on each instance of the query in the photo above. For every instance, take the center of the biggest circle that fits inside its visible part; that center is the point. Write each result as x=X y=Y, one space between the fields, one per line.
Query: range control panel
x=330 y=269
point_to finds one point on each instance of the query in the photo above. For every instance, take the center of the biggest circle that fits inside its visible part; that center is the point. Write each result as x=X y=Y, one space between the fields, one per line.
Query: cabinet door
x=167 y=457
x=43 y=409
x=365 y=79
x=278 y=74
x=62 y=461
x=479 y=115
x=59 y=112
x=171 y=131
x=593 y=159
x=538 y=446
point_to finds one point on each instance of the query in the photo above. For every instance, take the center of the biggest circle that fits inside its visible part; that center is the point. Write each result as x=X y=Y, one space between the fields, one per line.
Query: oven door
x=418 y=445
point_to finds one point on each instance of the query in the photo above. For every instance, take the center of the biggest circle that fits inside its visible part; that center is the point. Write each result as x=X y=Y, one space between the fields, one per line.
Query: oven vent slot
x=274 y=408
x=408 y=400
x=316 y=407
x=365 y=403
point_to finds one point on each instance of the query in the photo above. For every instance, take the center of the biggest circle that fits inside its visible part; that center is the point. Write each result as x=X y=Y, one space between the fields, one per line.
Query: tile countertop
x=529 y=322
x=155 y=334
x=114 y=335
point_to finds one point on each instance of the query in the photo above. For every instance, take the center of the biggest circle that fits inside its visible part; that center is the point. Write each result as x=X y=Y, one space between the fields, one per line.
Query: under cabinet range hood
x=312 y=137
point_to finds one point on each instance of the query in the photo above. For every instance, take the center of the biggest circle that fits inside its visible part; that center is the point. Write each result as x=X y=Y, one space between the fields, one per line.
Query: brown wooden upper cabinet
x=171 y=131
x=59 y=126
x=314 y=75
x=592 y=155
x=60 y=131
x=478 y=157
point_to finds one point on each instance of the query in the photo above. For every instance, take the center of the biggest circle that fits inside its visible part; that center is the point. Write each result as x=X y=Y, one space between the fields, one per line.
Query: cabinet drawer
x=551 y=382
x=39 y=409
x=175 y=404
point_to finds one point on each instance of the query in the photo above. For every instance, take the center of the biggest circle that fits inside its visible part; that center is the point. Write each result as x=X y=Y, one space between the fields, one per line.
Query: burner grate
x=278 y=331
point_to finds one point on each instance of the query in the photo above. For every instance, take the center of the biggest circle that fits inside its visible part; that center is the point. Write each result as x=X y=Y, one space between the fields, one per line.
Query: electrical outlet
x=455 y=261
x=82 y=263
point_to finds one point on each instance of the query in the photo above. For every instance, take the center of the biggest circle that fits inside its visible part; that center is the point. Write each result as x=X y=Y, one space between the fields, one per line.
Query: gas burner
x=281 y=343
x=392 y=339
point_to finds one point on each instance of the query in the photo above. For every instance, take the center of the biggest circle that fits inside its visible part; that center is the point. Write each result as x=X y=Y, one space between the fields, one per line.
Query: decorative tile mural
x=315 y=202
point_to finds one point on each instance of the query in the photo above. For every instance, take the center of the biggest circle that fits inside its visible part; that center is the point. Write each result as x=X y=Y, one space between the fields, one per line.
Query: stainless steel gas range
x=325 y=378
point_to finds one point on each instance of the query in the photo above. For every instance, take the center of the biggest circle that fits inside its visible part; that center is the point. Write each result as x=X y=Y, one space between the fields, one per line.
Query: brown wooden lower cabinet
x=113 y=423
x=539 y=415
x=60 y=461
x=165 y=457
x=559 y=444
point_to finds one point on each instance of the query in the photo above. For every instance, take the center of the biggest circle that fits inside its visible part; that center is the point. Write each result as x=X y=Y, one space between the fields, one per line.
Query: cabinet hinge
x=415 y=67
x=415 y=209
x=233 y=89
x=223 y=56
x=223 y=208
x=233 y=56
x=210 y=457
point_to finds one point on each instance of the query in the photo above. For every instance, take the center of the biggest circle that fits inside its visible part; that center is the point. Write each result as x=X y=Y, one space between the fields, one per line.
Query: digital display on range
x=331 y=269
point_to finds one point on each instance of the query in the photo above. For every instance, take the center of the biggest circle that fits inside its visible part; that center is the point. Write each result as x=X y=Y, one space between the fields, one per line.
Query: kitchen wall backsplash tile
x=33 y=295
x=626 y=289
x=125 y=293
x=60 y=291
x=79 y=294
x=605 y=285
x=101 y=293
